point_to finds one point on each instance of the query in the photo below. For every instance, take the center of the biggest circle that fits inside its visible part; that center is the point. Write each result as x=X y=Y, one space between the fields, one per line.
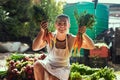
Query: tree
x=17 y=19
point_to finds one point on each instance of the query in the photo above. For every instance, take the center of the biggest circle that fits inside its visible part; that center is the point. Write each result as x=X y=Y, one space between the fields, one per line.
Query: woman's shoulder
x=71 y=36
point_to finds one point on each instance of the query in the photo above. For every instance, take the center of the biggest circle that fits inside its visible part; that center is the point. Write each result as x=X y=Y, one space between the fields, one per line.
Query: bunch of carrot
x=77 y=43
x=48 y=37
x=83 y=19
x=41 y=16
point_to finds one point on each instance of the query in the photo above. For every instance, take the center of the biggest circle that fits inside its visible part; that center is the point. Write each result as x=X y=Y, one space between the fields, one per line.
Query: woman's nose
x=62 y=26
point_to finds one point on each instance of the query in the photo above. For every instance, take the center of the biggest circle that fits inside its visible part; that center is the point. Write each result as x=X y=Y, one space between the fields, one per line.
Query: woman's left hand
x=42 y=56
x=82 y=29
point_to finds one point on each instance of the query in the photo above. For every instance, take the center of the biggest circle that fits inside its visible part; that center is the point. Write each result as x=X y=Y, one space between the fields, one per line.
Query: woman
x=56 y=63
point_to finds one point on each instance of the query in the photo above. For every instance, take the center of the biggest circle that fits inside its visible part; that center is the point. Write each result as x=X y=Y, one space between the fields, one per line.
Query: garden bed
x=20 y=67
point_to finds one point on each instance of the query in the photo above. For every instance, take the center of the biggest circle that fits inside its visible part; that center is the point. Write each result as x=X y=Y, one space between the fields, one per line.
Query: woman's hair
x=62 y=16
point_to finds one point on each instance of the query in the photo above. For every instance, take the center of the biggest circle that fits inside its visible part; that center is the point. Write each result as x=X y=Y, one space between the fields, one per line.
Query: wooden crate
x=98 y=62
x=99 y=52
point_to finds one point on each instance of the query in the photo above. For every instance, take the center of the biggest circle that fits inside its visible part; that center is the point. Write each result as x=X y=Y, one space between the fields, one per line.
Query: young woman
x=56 y=63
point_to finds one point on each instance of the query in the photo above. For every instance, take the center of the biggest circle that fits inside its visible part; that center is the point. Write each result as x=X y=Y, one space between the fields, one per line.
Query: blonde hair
x=62 y=16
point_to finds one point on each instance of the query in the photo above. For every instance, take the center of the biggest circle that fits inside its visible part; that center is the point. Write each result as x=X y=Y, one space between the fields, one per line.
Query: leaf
x=76 y=16
x=3 y=73
x=40 y=14
x=17 y=56
x=84 y=19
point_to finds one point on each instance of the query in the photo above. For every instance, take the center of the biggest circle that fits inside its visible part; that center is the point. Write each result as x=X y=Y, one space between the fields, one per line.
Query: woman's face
x=62 y=25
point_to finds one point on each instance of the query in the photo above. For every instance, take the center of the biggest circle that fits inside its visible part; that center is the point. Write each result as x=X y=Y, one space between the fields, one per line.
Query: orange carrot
x=80 y=40
x=77 y=43
x=48 y=37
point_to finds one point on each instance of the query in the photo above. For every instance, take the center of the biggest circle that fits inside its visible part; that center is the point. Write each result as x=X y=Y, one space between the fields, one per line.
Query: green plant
x=19 y=19
x=84 y=19
x=20 y=66
x=47 y=10
x=80 y=71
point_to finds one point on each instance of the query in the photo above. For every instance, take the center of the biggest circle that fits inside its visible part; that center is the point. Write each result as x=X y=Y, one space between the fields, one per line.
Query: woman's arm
x=39 y=42
x=87 y=42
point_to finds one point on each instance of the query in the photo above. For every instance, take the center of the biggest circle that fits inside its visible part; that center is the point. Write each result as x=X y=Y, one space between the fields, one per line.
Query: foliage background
x=17 y=21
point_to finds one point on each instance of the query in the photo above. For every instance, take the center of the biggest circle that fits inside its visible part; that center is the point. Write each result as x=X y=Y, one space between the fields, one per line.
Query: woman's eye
x=62 y=24
x=65 y=24
x=59 y=24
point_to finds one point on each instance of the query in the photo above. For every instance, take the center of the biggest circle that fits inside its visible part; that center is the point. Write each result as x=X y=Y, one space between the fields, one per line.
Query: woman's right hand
x=40 y=41
x=43 y=25
x=44 y=29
